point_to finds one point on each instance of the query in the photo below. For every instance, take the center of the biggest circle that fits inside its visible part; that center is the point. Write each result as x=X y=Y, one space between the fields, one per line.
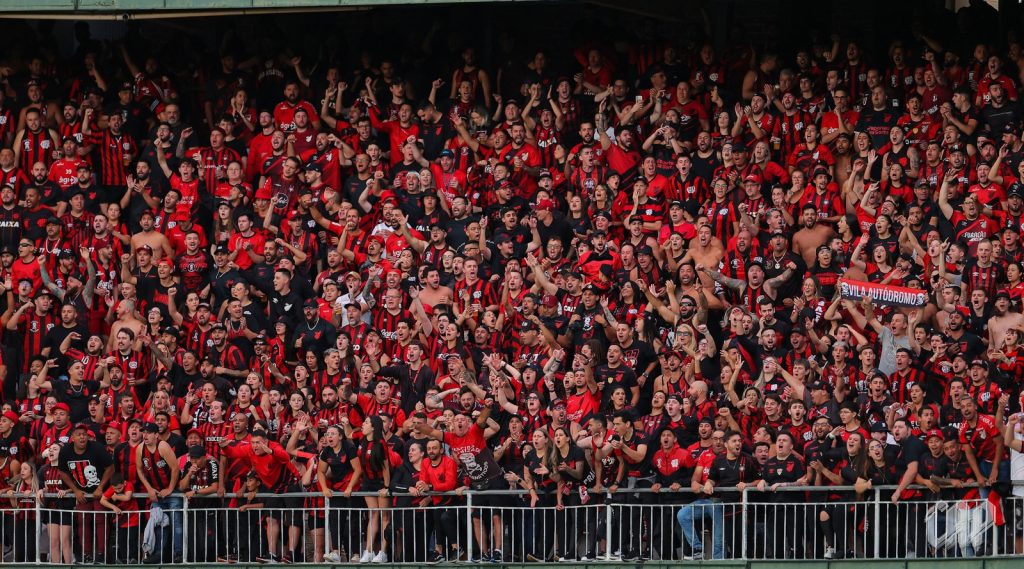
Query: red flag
x=995 y=508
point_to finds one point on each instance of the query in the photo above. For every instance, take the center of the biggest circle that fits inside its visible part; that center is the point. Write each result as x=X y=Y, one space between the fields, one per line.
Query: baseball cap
x=544 y=205
x=150 y=428
x=80 y=425
x=311 y=303
x=11 y=415
x=980 y=363
x=196 y=451
x=558 y=403
x=447 y=153
x=752 y=177
x=143 y=248
x=62 y=407
x=935 y=433
x=549 y=301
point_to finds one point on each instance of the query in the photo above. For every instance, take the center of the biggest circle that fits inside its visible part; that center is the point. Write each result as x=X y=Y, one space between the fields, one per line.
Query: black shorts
x=371 y=485
x=286 y=508
x=492 y=500
x=56 y=517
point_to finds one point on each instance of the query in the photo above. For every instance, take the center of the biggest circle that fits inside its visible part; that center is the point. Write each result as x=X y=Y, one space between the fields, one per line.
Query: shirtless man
x=433 y=294
x=1002 y=319
x=125 y=319
x=812 y=235
x=148 y=236
x=705 y=251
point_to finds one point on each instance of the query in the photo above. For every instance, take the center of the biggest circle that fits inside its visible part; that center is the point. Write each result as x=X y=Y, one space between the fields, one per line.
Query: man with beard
x=587 y=140
x=227 y=359
x=877 y=120
x=524 y=158
x=301 y=141
x=35 y=142
x=756 y=286
x=623 y=158
x=811 y=235
x=331 y=154
x=259 y=145
x=1000 y=111
x=272 y=166
x=9 y=171
x=64 y=172
x=69 y=326
x=284 y=112
x=86 y=467
x=163 y=143
x=956 y=328
x=10 y=217
x=50 y=193
x=314 y=334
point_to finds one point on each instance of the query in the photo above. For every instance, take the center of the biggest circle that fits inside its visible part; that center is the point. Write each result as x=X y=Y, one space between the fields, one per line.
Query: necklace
x=76 y=391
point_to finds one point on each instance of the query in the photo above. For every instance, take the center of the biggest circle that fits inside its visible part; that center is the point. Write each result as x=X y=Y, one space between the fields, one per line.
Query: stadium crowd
x=623 y=274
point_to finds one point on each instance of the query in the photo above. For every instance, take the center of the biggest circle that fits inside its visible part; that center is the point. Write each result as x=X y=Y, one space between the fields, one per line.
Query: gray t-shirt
x=890 y=343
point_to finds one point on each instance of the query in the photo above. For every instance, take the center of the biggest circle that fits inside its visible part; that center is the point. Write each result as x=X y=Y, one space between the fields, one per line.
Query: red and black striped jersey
x=213 y=434
x=134 y=364
x=51 y=434
x=33 y=329
x=386 y=323
x=113 y=150
x=213 y=163
x=124 y=461
x=155 y=468
x=229 y=357
x=197 y=340
x=36 y=147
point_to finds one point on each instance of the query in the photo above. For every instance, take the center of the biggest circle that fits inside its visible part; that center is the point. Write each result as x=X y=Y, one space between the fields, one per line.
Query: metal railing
x=806 y=523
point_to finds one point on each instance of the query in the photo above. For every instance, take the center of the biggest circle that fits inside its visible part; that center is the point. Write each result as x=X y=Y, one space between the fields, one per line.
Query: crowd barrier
x=495 y=526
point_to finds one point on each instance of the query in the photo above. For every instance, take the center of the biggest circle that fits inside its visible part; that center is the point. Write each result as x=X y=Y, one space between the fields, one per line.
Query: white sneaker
x=366 y=557
x=830 y=552
x=332 y=557
x=380 y=558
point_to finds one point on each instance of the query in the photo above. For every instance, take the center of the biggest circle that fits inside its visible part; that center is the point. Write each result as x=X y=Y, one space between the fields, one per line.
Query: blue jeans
x=700 y=510
x=172 y=506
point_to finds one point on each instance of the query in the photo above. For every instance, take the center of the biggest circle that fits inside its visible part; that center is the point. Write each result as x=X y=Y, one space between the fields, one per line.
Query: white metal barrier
x=494 y=526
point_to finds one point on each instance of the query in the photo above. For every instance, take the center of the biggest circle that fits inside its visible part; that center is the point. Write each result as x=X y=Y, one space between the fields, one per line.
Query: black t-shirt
x=610 y=378
x=339 y=463
x=726 y=474
x=87 y=468
x=911 y=450
x=57 y=334
x=76 y=398
x=542 y=482
x=572 y=460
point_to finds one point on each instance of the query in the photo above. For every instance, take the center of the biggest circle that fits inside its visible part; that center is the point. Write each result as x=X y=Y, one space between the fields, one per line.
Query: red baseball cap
x=544 y=205
x=11 y=415
x=62 y=407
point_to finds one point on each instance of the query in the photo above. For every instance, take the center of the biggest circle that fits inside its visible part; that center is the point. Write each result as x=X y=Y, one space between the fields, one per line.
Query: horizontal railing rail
x=511 y=526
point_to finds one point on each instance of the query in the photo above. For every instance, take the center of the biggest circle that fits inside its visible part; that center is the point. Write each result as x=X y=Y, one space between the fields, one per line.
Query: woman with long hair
x=826 y=271
x=338 y=474
x=836 y=517
x=572 y=473
x=849 y=232
x=24 y=539
x=542 y=486
x=57 y=512
x=375 y=458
